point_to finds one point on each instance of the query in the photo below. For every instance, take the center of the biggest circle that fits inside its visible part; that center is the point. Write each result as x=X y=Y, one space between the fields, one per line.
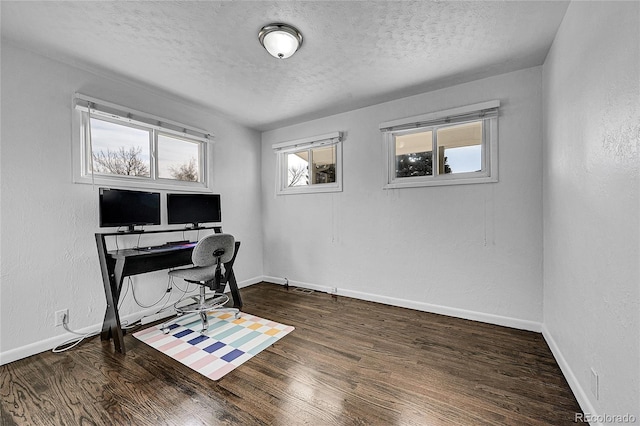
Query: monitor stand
x=131 y=229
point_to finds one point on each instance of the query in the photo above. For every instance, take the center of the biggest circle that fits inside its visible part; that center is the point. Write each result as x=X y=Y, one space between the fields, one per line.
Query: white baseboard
x=421 y=306
x=250 y=282
x=574 y=384
x=50 y=343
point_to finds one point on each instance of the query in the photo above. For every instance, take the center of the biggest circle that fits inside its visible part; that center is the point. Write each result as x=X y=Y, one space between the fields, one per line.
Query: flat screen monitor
x=193 y=209
x=119 y=207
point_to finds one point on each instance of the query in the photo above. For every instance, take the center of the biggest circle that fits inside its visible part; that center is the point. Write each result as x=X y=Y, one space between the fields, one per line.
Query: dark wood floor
x=348 y=362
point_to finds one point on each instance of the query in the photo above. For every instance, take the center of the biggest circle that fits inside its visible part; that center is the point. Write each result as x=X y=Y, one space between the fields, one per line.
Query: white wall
x=591 y=213
x=49 y=257
x=470 y=250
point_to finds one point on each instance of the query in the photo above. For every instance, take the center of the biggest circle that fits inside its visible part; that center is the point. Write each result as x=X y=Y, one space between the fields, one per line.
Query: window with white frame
x=309 y=165
x=120 y=146
x=456 y=146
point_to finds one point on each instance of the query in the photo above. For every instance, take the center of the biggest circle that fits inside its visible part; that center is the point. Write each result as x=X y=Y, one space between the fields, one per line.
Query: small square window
x=310 y=165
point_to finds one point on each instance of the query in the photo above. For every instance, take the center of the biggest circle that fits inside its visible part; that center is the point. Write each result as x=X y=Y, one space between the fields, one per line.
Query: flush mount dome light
x=280 y=40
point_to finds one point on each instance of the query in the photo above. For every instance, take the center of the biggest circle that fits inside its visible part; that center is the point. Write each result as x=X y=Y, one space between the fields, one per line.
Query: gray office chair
x=208 y=258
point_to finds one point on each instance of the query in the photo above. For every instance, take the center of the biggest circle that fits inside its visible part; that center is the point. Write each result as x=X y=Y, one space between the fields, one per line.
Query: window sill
x=133 y=183
x=310 y=190
x=415 y=183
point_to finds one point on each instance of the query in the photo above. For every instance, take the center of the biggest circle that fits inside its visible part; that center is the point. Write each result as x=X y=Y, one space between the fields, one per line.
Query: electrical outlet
x=333 y=290
x=594 y=383
x=60 y=317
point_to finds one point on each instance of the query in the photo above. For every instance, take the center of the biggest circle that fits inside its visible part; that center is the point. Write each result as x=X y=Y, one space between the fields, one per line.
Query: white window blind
x=99 y=108
x=467 y=113
x=310 y=142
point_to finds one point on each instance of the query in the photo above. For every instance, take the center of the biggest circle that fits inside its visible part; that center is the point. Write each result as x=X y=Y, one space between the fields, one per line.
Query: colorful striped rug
x=228 y=343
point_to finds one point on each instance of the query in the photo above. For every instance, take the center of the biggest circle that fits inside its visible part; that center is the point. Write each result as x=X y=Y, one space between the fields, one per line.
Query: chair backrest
x=203 y=251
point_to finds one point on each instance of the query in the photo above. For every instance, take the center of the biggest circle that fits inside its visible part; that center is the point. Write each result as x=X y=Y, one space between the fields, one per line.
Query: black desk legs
x=230 y=278
x=235 y=292
x=111 y=325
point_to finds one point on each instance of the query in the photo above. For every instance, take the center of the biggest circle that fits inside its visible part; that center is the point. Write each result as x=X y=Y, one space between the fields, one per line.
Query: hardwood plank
x=348 y=362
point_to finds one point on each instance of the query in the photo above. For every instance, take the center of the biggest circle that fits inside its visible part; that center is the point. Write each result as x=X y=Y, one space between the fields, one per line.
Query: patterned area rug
x=228 y=343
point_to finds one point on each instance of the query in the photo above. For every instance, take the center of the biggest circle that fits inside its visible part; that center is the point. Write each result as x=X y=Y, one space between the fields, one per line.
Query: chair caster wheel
x=237 y=315
x=165 y=330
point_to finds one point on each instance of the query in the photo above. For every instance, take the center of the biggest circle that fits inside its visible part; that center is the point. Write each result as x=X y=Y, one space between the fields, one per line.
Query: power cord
x=126 y=326
x=162 y=308
x=72 y=343
x=164 y=294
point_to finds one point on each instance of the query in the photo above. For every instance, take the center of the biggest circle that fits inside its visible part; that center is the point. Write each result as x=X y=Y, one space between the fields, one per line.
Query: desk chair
x=208 y=256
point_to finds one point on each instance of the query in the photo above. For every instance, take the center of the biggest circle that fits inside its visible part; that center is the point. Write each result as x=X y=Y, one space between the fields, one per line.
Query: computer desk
x=118 y=264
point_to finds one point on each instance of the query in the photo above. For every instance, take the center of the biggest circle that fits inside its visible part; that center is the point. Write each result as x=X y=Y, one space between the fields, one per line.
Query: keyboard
x=167 y=247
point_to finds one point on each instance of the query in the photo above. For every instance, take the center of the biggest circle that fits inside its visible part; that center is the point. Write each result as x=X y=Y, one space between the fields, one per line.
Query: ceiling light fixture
x=280 y=40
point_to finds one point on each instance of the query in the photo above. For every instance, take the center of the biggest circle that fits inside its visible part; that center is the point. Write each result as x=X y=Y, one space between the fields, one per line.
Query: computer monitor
x=120 y=207
x=193 y=209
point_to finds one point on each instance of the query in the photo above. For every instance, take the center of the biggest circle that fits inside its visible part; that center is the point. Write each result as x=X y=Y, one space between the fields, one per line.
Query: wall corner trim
x=574 y=384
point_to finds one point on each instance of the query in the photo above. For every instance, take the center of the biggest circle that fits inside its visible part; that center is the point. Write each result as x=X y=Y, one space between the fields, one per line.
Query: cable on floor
x=71 y=343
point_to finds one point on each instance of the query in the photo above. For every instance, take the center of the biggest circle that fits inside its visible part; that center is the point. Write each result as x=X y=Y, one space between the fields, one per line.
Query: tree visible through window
x=417 y=164
x=323 y=166
x=119 y=150
x=178 y=158
x=185 y=171
x=298 y=170
x=122 y=161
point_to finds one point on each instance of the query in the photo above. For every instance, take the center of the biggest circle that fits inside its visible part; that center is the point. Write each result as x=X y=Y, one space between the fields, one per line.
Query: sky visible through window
x=464 y=159
x=110 y=136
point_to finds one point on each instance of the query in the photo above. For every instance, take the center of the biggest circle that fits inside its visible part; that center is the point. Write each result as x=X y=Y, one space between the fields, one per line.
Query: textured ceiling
x=354 y=54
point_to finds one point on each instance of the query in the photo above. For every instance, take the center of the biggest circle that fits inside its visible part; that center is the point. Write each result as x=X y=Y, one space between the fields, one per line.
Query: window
x=118 y=146
x=458 y=146
x=310 y=165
